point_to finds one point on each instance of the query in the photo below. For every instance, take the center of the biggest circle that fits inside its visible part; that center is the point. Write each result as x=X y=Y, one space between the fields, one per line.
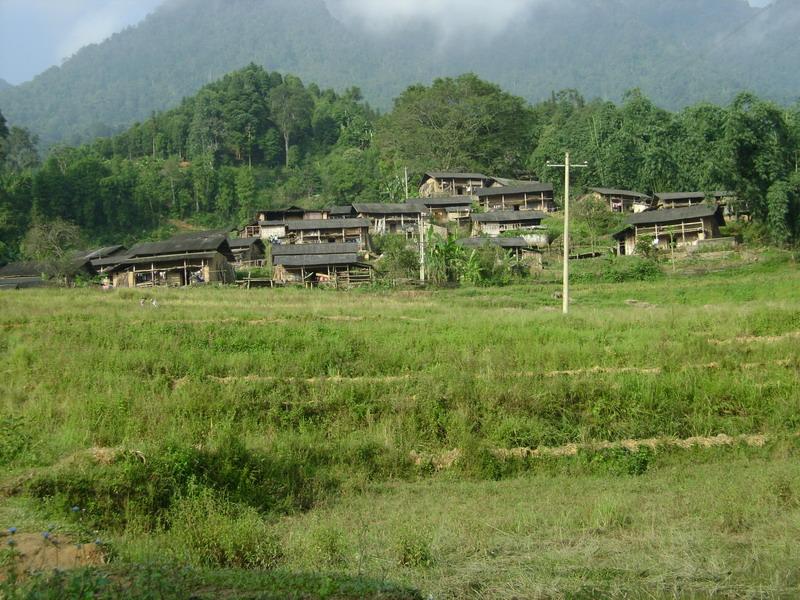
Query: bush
x=631 y=269
x=413 y=548
x=14 y=438
x=212 y=532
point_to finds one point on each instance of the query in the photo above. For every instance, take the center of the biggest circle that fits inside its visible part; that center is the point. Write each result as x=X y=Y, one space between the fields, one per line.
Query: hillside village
x=335 y=246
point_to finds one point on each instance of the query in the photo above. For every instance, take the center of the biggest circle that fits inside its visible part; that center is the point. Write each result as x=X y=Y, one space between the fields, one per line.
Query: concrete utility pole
x=406 y=182
x=567 y=166
x=421 y=249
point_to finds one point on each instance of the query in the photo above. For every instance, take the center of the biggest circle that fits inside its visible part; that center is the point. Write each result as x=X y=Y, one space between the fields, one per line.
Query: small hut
x=622 y=201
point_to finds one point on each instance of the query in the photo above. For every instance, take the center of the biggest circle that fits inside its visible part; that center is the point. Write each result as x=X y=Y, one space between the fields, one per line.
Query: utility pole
x=421 y=249
x=567 y=166
x=406 y=181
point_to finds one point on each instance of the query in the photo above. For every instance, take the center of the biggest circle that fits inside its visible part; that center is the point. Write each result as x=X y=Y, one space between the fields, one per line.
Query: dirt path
x=447 y=459
x=597 y=370
x=749 y=339
x=40 y=552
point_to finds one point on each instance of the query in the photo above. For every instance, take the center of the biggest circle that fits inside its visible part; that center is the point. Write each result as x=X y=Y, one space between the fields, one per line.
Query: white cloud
x=451 y=17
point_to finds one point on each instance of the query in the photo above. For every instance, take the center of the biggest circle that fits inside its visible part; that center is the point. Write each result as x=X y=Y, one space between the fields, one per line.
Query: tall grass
x=237 y=427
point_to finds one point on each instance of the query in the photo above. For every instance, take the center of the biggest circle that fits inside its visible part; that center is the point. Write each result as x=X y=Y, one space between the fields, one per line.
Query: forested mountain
x=4 y=85
x=677 y=51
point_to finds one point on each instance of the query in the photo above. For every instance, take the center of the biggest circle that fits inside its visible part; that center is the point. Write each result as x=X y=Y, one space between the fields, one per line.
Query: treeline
x=257 y=139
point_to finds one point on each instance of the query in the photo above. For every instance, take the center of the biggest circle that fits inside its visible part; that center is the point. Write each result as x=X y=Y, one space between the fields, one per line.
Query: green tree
x=290 y=108
x=461 y=123
x=52 y=244
x=778 y=204
x=19 y=148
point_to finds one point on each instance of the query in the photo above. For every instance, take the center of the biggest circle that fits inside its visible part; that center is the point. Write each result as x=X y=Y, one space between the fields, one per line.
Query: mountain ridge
x=678 y=51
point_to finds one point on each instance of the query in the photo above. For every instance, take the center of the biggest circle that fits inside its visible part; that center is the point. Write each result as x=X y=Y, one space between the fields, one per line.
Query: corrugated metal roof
x=508 y=216
x=534 y=187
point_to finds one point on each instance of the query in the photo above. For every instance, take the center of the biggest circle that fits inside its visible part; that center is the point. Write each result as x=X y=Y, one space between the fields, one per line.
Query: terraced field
x=382 y=443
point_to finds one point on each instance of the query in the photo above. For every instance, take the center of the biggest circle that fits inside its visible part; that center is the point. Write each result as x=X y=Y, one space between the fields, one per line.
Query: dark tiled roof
x=315 y=224
x=102 y=252
x=339 y=210
x=508 y=216
x=513 y=242
x=190 y=242
x=244 y=242
x=318 y=260
x=377 y=208
x=442 y=202
x=534 y=187
x=613 y=192
x=667 y=196
x=669 y=215
x=453 y=175
x=22 y=269
x=319 y=249
x=124 y=261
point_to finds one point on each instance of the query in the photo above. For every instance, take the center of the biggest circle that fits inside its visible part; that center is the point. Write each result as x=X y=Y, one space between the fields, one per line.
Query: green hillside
x=679 y=52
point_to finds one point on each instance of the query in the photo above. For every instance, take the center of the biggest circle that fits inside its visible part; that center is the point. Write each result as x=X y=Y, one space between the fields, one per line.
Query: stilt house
x=190 y=259
x=681 y=226
x=340 y=265
x=533 y=195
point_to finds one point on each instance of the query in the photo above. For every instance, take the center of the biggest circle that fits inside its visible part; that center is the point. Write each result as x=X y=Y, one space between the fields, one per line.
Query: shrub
x=413 y=548
x=14 y=438
x=211 y=531
x=329 y=546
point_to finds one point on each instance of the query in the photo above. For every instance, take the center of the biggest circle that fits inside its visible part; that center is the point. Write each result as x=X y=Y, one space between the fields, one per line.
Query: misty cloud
x=450 y=17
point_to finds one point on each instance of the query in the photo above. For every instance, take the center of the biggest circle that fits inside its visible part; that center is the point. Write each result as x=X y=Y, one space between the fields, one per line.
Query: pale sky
x=37 y=34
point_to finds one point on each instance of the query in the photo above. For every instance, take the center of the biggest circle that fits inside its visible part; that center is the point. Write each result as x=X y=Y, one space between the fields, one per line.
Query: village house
x=327 y=231
x=532 y=195
x=682 y=226
x=248 y=251
x=622 y=201
x=495 y=223
x=189 y=259
x=340 y=265
x=401 y=219
x=453 y=209
x=437 y=183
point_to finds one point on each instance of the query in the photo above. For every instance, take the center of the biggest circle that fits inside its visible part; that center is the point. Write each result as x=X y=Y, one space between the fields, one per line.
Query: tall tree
x=291 y=108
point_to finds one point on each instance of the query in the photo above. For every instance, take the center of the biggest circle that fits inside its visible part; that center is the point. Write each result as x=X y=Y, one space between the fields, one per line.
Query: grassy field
x=399 y=444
